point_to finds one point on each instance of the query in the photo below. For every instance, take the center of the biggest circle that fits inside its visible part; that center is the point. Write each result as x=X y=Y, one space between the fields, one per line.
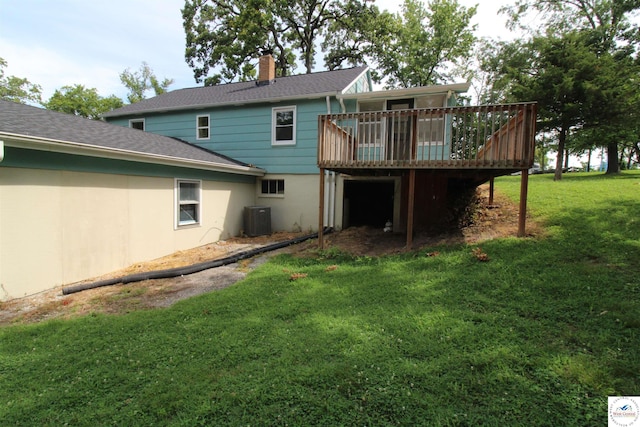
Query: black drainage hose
x=190 y=269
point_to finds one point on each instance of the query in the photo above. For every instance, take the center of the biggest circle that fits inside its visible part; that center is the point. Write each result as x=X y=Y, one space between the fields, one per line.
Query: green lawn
x=539 y=335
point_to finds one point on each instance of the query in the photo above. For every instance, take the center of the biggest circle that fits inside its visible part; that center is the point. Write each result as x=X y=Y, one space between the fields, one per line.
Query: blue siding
x=363 y=84
x=244 y=133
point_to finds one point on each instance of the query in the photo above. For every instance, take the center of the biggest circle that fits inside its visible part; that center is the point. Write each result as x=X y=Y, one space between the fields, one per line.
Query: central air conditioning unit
x=257 y=221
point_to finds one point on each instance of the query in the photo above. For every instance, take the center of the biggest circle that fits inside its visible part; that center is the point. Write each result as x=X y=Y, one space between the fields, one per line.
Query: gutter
x=221 y=104
x=66 y=147
x=398 y=93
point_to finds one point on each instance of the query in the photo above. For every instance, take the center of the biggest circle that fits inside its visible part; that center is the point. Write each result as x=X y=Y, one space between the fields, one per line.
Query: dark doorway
x=368 y=203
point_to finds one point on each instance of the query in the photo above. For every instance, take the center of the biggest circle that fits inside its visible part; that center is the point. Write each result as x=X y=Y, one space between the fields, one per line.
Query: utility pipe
x=190 y=269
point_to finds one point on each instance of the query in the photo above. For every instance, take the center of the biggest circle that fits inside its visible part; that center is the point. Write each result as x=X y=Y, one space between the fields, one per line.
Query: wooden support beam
x=524 y=189
x=410 y=207
x=491 y=188
x=321 y=212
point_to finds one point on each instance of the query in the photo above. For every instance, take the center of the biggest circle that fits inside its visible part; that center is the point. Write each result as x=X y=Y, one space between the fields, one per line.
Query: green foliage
x=426 y=43
x=141 y=81
x=418 y=47
x=539 y=334
x=226 y=36
x=18 y=89
x=355 y=37
x=610 y=19
x=81 y=101
x=582 y=64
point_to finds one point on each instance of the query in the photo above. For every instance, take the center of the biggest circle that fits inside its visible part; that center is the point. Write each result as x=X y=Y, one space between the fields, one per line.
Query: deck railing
x=483 y=137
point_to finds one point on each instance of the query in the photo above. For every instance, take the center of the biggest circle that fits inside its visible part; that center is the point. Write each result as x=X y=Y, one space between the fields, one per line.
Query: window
x=272 y=187
x=187 y=202
x=370 y=126
x=431 y=130
x=202 y=125
x=284 y=126
x=136 y=124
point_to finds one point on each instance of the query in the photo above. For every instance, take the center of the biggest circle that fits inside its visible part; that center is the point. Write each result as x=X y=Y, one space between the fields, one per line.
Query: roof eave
x=414 y=91
x=75 y=148
x=224 y=104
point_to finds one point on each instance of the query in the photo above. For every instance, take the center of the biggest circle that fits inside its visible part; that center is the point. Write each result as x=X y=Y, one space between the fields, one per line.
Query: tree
x=357 y=35
x=226 y=37
x=18 y=89
x=426 y=44
x=81 y=101
x=572 y=81
x=613 y=39
x=139 y=82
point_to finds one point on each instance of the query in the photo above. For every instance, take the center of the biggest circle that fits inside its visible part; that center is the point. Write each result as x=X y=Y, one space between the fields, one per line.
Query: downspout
x=342 y=106
x=449 y=95
x=1 y=151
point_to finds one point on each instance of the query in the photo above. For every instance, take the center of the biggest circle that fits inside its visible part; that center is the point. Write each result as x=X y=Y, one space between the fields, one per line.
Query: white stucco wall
x=297 y=209
x=59 y=227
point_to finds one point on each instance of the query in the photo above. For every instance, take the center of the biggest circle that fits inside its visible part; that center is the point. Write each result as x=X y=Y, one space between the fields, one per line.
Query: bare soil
x=491 y=221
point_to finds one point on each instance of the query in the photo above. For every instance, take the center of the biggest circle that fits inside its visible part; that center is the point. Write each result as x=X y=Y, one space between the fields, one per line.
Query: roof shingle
x=290 y=87
x=35 y=122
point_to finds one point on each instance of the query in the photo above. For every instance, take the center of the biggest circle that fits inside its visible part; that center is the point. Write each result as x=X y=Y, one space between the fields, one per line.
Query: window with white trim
x=283 y=122
x=202 y=127
x=272 y=187
x=136 y=124
x=431 y=130
x=370 y=125
x=188 y=196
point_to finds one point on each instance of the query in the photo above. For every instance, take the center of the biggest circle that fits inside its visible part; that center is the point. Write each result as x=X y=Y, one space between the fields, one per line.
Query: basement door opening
x=368 y=203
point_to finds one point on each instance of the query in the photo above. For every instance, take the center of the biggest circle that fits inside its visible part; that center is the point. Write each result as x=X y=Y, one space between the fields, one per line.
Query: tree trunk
x=566 y=159
x=561 y=140
x=613 y=166
x=589 y=161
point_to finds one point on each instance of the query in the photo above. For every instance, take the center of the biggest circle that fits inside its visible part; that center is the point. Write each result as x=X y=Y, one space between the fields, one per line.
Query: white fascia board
x=414 y=91
x=75 y=148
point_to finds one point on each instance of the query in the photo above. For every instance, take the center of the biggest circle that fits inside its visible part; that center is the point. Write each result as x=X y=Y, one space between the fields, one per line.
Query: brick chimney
x=267 y=70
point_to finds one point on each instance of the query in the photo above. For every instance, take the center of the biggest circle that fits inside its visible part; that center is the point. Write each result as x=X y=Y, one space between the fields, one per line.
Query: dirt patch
x=491 y=221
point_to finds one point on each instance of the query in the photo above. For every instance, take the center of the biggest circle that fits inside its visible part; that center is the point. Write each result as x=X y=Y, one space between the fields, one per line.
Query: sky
x=68 y=42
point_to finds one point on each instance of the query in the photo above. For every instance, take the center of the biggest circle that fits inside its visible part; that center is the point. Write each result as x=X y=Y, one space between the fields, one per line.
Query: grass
x=540 y=334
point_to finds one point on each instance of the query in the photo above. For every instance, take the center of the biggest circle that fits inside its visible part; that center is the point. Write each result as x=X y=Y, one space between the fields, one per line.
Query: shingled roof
x=18 y=121
x=315 y=85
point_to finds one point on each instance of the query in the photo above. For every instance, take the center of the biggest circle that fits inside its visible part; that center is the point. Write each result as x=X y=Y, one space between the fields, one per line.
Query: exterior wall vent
x=257 y=221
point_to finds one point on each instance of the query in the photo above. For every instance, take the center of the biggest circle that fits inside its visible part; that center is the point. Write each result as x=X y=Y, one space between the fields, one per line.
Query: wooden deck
x=474 y=144
x=492 y=137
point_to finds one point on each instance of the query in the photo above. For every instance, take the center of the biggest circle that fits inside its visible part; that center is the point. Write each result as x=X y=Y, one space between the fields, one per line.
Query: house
x=272 y=123
x=80 y=198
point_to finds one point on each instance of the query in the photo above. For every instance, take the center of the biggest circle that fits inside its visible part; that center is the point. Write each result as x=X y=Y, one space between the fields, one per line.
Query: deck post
x=410 y=207
x=522 y=216
x=321 y=212
x=491 y=188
